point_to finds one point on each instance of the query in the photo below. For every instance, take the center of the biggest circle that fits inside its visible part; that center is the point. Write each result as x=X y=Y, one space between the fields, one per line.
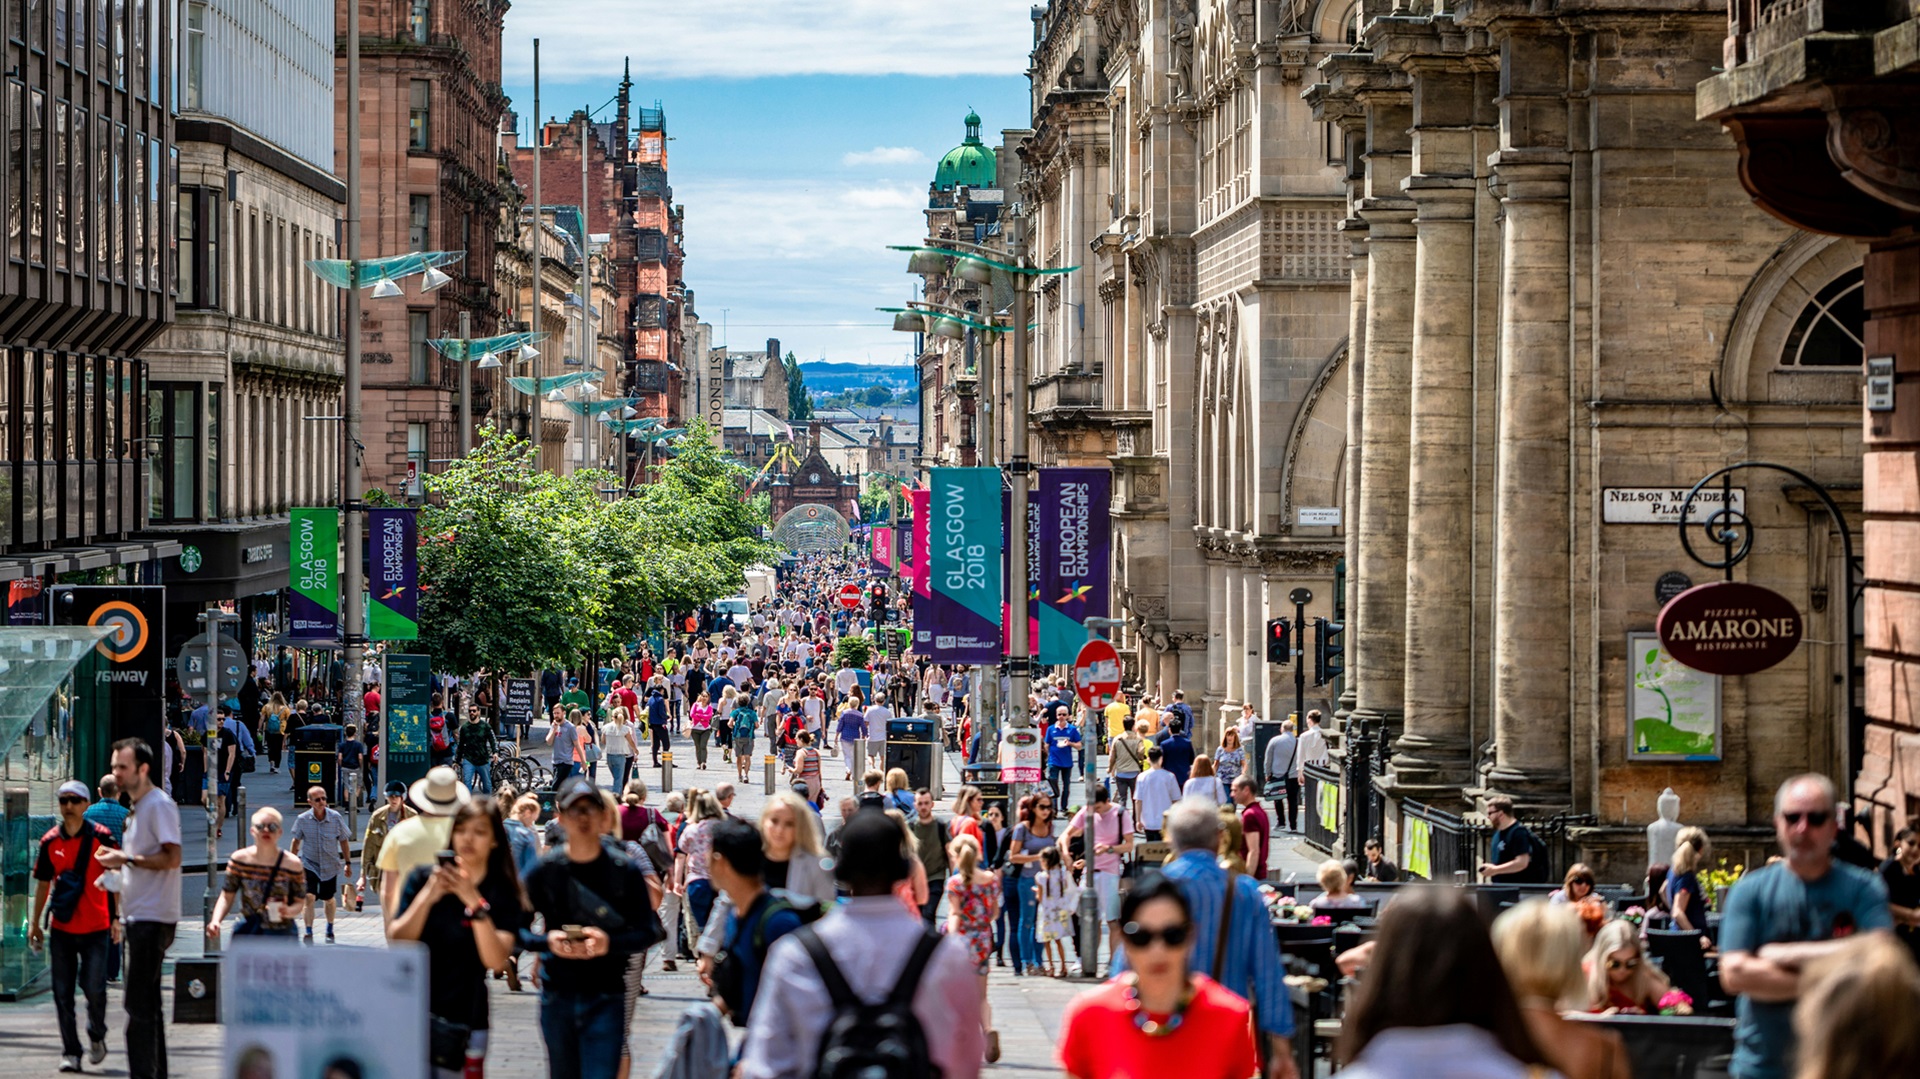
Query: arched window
x=1831 y=329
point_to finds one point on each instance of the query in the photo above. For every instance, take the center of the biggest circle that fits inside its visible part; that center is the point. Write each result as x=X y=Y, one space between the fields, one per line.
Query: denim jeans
x=147 y=944
x=478 y=777
x=935 y=889
x=561 y=770
x=1029 y=925
x=1006 y=924
x=583 y=1033
x=700 y=897
x=1060 y=779
x=79 y=958
x=619 y=766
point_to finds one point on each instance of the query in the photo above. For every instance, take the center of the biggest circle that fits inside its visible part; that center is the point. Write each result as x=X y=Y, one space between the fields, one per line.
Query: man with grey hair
x=723 y=793
x=1783 y=916
x=1232 y=941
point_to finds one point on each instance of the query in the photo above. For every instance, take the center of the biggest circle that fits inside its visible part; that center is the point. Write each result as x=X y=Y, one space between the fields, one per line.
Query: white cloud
x=885 y=155
x=581 y=39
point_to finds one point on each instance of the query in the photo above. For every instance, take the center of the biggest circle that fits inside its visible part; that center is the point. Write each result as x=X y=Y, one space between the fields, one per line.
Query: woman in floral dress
x=973 y=902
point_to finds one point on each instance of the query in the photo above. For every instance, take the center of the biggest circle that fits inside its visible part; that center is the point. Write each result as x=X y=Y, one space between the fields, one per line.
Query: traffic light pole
x=1300 y=597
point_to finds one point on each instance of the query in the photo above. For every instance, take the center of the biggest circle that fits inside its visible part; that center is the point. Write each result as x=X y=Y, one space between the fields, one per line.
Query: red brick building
x=431 y=102
x=631 y=203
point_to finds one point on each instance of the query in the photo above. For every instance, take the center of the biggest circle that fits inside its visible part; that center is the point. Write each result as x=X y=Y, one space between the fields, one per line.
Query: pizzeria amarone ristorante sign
x=1730 y=627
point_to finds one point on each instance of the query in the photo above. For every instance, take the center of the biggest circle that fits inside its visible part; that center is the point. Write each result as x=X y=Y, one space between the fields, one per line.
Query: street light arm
x=950 y=252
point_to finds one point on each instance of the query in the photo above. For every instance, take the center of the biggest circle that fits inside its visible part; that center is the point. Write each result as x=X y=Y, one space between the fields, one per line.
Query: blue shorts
x=226 y=790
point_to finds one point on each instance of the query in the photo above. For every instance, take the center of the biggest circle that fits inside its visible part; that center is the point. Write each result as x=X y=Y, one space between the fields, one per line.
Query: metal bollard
x=666 y=771
x=859 y=760
x=213 y=851
x=770 y=762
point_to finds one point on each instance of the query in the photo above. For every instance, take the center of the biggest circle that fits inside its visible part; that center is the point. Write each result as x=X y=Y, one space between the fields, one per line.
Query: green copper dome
x=970 y=164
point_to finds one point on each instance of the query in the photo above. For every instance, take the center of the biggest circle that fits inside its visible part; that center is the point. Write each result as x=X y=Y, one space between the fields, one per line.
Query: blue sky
x=804 y=136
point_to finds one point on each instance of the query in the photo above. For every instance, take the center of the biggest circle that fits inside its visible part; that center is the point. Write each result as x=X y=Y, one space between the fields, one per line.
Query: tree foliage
x=799 y=402
x=522 y=568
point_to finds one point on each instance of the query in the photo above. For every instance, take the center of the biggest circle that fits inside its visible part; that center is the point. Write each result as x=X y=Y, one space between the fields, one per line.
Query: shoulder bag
x=254 y=924
x=71 y=884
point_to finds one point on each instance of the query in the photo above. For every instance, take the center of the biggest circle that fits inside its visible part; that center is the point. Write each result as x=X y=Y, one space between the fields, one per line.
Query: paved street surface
x=1027 y=1010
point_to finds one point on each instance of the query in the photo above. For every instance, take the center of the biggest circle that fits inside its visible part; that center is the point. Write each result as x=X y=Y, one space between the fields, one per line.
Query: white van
x=732 y=611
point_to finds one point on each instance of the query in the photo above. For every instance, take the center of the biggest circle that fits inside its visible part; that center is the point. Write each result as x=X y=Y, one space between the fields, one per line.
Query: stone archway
x=811 y=526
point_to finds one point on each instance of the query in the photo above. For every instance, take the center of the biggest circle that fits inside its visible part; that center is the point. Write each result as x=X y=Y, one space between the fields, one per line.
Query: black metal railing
x=1435 y=844
x=1320 y=782
x=1364 y=815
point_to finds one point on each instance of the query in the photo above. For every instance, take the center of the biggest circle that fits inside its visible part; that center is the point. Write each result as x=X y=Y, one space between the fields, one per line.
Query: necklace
x=1156 y=1028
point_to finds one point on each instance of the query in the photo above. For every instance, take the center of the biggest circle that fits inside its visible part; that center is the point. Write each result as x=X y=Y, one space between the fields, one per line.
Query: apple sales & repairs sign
x=1662 y=505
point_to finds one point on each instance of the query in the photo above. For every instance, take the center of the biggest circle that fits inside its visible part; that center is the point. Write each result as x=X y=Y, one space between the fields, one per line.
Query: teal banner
x=964 y=565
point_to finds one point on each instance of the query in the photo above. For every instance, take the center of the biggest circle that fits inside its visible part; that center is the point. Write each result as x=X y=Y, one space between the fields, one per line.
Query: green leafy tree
x=853 y=652
x=878 y=395
x=799 y=402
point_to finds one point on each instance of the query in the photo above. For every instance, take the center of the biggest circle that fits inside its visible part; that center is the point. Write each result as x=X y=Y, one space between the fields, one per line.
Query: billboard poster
x=407 y=697
x=1033 y=576
x=293 y=1011
x=1075 y=560
x=131 y=679
x=313 y=549
x=964 y=564
x=1673 y=711
x=26 y=602
x=882 y=549
x=393 y=572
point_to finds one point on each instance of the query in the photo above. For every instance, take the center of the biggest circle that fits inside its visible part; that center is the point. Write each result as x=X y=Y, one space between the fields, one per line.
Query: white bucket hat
x=441 y=792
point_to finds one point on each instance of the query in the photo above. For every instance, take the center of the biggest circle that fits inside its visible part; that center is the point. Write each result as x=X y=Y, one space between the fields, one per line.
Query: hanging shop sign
x=1730 y=627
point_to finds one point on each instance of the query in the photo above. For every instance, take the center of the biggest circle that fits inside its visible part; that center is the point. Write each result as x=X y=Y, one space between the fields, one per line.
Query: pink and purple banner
x=1075 y=538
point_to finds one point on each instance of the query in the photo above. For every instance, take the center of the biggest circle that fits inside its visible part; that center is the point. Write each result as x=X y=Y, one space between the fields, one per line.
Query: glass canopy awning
x=34 y=660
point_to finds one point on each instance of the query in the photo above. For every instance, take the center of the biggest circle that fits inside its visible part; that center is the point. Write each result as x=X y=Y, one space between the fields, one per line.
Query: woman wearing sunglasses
x=270 y=884
x=1620 y=977
x=1160 y=1018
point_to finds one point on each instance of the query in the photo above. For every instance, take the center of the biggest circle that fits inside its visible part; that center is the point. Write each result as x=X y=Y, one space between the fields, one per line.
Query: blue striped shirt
x=1252 y=966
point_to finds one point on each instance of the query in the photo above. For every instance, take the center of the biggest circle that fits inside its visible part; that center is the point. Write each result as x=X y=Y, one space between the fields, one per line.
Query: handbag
x=71 y=884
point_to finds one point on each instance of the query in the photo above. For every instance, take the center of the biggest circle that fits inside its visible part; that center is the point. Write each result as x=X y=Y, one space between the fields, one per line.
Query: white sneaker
x=70 y=1064
x=97 y=1052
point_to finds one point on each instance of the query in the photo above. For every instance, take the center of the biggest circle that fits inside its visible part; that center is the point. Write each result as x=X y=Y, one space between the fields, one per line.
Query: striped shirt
x=1252 y=968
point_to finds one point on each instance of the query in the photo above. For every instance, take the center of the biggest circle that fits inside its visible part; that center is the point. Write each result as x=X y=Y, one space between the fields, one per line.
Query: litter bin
x=912 y=744
x=316 y=756
x=1264 y=731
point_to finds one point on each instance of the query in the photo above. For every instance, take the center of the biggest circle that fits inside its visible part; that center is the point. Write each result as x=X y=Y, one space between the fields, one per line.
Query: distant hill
x=830 y=376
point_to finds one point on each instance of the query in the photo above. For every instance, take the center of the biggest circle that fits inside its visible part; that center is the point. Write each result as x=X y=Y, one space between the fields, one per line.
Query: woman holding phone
x=466 y=909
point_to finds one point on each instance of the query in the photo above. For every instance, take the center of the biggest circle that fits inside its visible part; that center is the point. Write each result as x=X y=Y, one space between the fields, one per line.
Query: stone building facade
x=431 y=180
x=1200 y=348
x=243 y=389
x=1559 y=301
x=1820 y=99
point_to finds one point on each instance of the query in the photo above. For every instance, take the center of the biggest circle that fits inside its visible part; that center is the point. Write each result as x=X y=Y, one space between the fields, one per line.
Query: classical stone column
x=1379 y=642
x=1356 y=229
x=1432 y=751
x=1531 y=676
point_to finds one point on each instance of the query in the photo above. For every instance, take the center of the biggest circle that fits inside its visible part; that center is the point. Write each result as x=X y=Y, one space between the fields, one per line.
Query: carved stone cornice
x=1299 y=558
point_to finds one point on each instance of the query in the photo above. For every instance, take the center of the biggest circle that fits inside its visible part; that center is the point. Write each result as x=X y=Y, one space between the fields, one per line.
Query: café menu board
x=408 y=700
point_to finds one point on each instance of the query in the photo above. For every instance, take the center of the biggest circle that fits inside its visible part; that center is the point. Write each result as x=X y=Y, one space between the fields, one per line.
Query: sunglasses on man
x=1815 y=818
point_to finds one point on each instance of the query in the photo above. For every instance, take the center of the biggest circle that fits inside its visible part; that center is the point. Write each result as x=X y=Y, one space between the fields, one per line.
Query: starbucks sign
x=190 y=559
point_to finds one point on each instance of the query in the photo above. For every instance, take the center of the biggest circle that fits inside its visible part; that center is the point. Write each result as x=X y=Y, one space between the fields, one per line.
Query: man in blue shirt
x=1062 y=739
x=1177 y=749
x=756 y=917
x=1180 y=708
x=1249 y=964
x=1783 y=916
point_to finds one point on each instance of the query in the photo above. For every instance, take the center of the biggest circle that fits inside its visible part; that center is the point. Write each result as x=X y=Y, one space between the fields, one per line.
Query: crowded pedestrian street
x=1239 y=539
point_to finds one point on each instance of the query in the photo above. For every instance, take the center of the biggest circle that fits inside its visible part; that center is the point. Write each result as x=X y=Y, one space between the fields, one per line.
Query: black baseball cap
x=396 y=789
x=574 y=789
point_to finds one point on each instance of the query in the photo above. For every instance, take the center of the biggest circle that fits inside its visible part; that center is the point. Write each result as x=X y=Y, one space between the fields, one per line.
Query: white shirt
x=1156 y=791
x=1313 y=746
x=877 y=717
x=845 y=680
x=1207 y=787
x=870 y=939
x=151 y=895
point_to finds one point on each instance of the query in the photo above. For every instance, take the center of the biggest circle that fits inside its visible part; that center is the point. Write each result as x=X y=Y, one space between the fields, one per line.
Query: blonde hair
x=620 y=716
x=896 y=780
x=702 y=805
x=526 y=801
x=806 y=823
x=1647 y=981
x=1333 y=875
x=966 y=855
x=1690 y=850
x=266 y=814
x=968 y=795
x=1539 y=945
x=1855 y=1015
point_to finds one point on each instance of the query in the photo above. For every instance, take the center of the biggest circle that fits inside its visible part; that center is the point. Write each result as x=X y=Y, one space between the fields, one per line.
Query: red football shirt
x=60 y=852
x=1100 y=1040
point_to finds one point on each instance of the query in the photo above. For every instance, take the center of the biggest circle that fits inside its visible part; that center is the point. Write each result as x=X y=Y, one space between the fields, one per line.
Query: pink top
x=701 y=717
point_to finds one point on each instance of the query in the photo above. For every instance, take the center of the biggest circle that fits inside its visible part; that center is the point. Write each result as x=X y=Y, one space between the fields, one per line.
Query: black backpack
x=873 y=1041
x=730 y=969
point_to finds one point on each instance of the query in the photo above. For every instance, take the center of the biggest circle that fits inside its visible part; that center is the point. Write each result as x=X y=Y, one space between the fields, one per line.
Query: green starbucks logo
x=190 y=559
